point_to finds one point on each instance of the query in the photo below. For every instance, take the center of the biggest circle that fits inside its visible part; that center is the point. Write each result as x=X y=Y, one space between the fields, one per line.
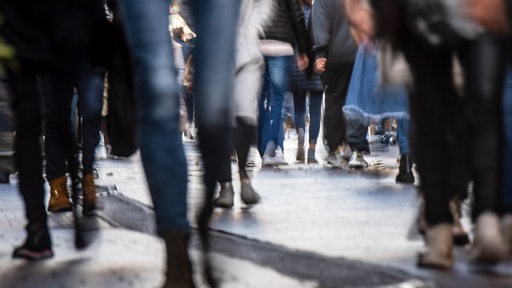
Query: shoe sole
x=32 y=255
x=60 y=209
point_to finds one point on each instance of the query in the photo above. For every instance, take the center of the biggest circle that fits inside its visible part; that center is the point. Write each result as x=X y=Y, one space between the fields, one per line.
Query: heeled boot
x=89 y=194
x=405 y=174
x=59 y=197
x=439 y=242
x=226 y=195
x=179 y=269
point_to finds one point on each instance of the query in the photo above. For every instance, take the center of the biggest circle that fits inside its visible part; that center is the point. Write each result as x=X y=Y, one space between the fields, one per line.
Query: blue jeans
x=163 y=157
x=90 y=104
x=315 y=105
x=275 y=84
x=402 y=132
x=507 y=119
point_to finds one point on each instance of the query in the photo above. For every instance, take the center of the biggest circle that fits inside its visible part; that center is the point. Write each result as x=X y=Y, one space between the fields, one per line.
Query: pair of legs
x=160 y=140
x=337 y=131
x=270 y=122
x=300 y=98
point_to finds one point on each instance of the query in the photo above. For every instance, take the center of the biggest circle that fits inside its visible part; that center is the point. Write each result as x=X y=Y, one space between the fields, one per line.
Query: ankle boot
x=248 y=195
x=300 y=149
x=38 y=244
x=226 y=195
x=405 y=174
x=89 y=194
x=488 y=244
x=179 y=269
x=460 y=237
x=311 y=156
x=59 y=197
x=439 y=254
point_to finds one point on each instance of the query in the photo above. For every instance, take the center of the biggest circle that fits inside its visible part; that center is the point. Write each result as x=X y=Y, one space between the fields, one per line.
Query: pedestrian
x=282 y=34
x=336 y=49
x=306 y=89
x=163 y=157
x=437 y=110
x=254 y=14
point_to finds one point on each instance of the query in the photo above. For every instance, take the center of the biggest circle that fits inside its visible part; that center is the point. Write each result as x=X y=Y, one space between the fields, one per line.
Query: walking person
x=146 y=25
x=335 y=53
x=285 y=31
x=306 y=90
x=254 y=14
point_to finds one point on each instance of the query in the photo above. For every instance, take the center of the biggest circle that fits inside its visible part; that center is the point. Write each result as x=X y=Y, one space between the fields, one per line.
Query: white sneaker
x=334 y=159
x=268 y=161
x=357 y=161
x=279 y=158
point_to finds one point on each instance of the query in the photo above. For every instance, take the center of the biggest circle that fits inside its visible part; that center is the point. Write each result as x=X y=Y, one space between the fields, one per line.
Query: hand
x=320 y=65
x=489 y=13
x=361 y=19
x=302 y=62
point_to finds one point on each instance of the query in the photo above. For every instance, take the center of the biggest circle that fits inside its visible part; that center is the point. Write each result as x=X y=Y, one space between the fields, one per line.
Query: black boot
x=179 y=268
x=38 y=244
x=405 y=174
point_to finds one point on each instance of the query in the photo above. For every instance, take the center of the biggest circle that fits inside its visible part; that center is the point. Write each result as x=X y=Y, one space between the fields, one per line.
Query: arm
x=320 y=27
x=361 y=19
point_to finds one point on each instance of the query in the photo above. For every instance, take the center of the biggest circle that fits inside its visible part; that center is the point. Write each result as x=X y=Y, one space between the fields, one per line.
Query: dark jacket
x=287 y=25
x=331 y=33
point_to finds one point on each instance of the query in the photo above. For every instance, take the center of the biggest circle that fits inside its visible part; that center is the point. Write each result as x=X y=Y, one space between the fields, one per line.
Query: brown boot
x=179 y=270
x=89 y=194
x=59 y=197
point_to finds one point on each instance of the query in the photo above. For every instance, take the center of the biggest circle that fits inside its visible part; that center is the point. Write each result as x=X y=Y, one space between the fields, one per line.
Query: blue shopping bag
x=368 y=101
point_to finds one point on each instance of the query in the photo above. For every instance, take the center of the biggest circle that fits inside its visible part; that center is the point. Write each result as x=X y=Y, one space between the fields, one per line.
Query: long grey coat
x=254 y=15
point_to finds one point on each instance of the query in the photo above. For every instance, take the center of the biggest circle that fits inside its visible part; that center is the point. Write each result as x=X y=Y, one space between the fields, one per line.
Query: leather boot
x=439 y=254
x=226 y=195
x=89 y=194
x=179 y=270
x=38 y=245
x=248 y=195
x=488 y=244
x=405 y=174
x=59 y=197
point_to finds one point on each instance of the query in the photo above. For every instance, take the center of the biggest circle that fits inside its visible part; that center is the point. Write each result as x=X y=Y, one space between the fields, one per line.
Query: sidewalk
x=116 y=258
x=311 y=209
x=359 y=215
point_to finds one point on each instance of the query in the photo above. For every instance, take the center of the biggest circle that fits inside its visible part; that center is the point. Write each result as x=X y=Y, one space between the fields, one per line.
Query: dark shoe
x=311 y=156
x=460 y=237
x=300 y=149
x=226 y=195
x=37 y=246
x=4 y=177
x=248 y=195
x=89 y=194
x=405 y=174
x=59 y=197
x=179 y=268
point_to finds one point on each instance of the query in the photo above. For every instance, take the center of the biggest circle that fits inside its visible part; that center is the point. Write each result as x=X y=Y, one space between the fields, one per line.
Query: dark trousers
x=484 y=62
x=443 y=120
x=27 y=110
x=336 y=81
x=57 y=90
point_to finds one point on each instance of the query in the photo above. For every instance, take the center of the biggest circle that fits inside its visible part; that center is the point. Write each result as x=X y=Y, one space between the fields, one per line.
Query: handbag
x=122 y=106
x=368 y=100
